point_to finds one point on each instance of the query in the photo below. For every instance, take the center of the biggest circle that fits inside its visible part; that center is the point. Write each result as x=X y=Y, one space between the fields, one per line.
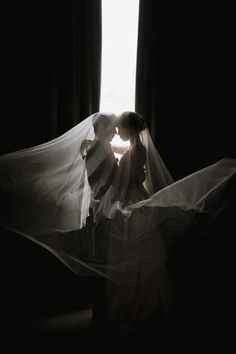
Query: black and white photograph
x=118 y=177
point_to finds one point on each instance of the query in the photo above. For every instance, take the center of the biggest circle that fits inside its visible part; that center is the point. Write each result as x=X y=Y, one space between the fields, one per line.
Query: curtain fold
x=76 y=65
x=182 y=85
x=52 y=67
x=152 y=62
x=51 y=58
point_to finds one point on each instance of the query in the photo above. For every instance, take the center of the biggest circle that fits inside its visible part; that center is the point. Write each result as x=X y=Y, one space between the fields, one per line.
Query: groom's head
x=104 y=125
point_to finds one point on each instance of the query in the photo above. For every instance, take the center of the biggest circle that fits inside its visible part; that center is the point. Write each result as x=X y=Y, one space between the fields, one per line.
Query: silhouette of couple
x=141 y=279
x=128 y=177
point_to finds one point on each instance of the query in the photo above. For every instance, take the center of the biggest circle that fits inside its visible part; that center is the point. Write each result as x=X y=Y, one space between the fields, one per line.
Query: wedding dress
x=142 y=284
x=98 y=216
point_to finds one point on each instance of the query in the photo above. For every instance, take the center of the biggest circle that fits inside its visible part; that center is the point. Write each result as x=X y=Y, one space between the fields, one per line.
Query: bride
x=142 y=286
x=100 y=216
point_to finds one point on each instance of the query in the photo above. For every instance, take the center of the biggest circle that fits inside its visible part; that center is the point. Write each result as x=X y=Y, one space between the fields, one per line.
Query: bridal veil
x=65 y=195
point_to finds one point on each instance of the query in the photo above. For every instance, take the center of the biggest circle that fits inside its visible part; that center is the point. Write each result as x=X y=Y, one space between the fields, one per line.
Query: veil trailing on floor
x=100 y=215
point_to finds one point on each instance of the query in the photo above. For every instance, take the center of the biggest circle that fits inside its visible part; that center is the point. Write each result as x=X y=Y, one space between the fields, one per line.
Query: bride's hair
x=132 y=121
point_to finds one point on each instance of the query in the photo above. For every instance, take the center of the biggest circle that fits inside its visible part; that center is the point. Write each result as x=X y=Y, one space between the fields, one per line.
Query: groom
x=101 y=163
x=101 y=166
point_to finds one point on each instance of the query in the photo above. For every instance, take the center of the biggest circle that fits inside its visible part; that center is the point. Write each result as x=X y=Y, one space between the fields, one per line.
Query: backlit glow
x=119 y=49
x=119 y=146
x=118 y=142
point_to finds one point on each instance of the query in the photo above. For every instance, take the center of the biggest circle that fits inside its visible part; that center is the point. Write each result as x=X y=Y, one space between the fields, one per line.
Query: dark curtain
x=52 y=69
x=51 y=65
x=182 y=85
x=152 y=62
x=76 y=63
x=184 y=90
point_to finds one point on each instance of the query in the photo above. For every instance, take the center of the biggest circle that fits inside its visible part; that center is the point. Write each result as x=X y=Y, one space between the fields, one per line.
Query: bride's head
x=129 y=125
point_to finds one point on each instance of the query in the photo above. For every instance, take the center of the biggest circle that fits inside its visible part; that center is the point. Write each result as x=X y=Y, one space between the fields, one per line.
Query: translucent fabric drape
x=100 y=216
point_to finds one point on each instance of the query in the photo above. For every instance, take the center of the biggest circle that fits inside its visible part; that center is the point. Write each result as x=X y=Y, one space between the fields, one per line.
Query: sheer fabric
x=107 y=217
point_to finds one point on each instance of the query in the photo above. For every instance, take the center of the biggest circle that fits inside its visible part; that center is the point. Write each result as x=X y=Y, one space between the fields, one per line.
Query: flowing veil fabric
x=69 y=196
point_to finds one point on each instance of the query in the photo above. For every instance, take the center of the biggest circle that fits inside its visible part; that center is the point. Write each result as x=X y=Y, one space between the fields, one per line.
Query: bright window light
x=119 y=146
x=119 y=50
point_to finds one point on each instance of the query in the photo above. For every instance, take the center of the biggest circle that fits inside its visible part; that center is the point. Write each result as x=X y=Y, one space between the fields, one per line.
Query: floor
x=41 y=313
x=71 y=333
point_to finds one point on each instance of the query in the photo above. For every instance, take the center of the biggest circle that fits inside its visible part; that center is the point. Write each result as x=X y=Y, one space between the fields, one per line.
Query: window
x=119 y=50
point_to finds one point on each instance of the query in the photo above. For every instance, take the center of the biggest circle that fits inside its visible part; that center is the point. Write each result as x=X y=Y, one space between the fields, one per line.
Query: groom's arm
x=111 y=167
